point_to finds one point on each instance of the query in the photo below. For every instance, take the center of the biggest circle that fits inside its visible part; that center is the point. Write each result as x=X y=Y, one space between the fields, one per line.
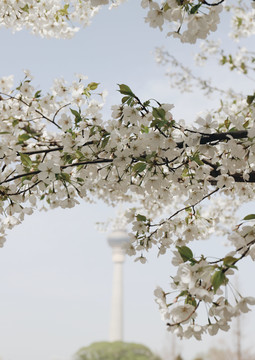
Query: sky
x=55 y=269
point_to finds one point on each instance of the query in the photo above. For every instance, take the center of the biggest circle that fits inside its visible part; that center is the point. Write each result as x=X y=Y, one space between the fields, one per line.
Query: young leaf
x=64 y=176
x=25 y=8
x=77 y=116
x=196 y=158
x=92 y=85
x=26 y=161
x=217 y=279
x=190 y=300
x=185 y=253
x=195 y=8
x=125 y=99
x=104 y=141
x=229 y=260
x=64 y=11
x=249 y=217
x=140 y=217
x=250 y=99
x=139 y=167
x=15 y=122
x=125 y=90
x=23 y=137
x=144 y=129
x=37 y=94
x=159 y=113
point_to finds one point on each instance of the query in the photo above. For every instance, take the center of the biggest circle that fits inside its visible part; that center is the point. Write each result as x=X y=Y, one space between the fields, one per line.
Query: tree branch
x=206 y=139
x=213 y=4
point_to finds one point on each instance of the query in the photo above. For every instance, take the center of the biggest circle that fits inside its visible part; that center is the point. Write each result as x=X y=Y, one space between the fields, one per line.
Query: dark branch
x=97 y=161
x=213 y=4
x=207 y=139
x=238 y=177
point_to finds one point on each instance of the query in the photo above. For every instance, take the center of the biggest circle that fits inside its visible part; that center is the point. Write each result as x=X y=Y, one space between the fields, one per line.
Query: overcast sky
x=55 y=269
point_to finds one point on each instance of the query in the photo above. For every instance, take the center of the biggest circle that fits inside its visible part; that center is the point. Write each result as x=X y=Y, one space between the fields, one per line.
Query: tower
x=117 y=239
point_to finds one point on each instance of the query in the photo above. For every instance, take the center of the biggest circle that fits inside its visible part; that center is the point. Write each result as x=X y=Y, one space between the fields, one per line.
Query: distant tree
x=115 y=351
x=179 y=357
x=224 y=353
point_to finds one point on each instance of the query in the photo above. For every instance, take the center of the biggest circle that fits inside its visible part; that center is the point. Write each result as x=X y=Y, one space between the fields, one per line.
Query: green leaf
x=25 y=8
x=183 y=293
x=196 y=158
x=159 y=113
x=166 y=7
x=190 y=300
x=223 y=60
x=92 y=86
x=75 y=112
x=144 y=129
x=77 y=115
x=246 y=124
x=249 y=217
x=140 y=217
x=157 y=123
x=125 y=90
x=227 y=123
x=37 y=94
x=79 y=154
x=185 y=253
x=146 y=103
x=229 y=260
x=67 y=158
x=217 y=279
x=125 y=99
x=239 y=21
x=64 y=11
x=64 y=176
x=26 y=161
x=195 y=8
x=104 y=141
x=80 y=180
x=23 y=137
x=15 y=122
x=250 y=99
x=139 y=167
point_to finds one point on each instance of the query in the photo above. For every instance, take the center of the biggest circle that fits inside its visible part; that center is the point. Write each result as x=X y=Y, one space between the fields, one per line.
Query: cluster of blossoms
x=51 y=18
x=242 y=19
x=189 y=20
x=199 y=17
x=55 y=18
x=242 y=61
x=196 y=282
x=56 y=149
x=200 y=281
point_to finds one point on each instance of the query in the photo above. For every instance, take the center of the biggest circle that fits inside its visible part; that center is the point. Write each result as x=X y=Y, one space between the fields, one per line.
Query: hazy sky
x=55 y=269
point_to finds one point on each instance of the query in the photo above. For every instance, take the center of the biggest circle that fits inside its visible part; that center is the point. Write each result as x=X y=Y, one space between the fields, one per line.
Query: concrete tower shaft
x=117 y=240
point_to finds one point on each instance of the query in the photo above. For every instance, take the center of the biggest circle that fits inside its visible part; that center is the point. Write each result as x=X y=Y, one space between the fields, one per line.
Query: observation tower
x=117 y=239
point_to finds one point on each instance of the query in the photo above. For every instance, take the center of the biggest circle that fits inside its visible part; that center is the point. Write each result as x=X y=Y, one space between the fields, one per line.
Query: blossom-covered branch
x=55 y=154
x=182 y=182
